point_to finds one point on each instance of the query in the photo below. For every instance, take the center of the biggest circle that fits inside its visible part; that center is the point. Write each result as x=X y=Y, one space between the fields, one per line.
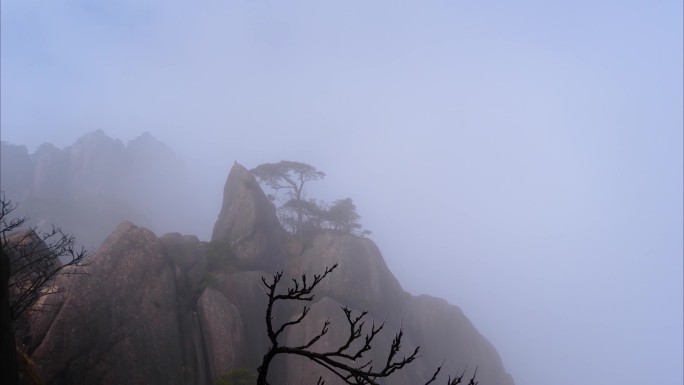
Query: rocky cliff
x=90 y=187
x=175 y=310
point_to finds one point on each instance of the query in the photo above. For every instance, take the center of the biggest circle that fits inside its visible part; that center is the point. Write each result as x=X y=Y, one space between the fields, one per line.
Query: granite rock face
x=154 y=311
x=223 y=332
x=117 y=322
x=362 y=279
x=248 y=222
x=245 y=292
x=447 y=334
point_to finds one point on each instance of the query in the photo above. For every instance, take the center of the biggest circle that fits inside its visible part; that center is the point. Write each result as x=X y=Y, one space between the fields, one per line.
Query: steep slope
x=448 y=335
x=364 y=283
x=162 y=310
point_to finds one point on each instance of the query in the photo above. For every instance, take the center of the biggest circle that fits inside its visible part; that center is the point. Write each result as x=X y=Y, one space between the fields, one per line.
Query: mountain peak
x=248 y=222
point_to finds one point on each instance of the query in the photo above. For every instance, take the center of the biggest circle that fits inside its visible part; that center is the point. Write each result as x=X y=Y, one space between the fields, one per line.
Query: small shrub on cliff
x=238 y=376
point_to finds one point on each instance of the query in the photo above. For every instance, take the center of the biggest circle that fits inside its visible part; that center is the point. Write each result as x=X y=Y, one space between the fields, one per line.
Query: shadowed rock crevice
x=223 y=333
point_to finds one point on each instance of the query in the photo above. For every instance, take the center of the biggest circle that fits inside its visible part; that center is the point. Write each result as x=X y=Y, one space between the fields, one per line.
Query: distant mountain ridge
x=175 y=310
x=90 y=187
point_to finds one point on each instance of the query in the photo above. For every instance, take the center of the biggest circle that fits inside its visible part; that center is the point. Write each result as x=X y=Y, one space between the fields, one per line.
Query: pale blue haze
x=522 y=159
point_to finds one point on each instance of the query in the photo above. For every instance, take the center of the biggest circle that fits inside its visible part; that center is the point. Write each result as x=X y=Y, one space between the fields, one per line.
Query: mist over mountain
x=91 y=186
x=523 y=160
x=177 y=310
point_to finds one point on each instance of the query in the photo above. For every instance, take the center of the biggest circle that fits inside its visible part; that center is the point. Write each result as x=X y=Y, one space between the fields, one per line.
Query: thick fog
x=522 y=160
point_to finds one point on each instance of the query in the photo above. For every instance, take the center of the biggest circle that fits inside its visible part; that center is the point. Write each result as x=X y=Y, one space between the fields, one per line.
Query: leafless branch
x=36 y=258
x=342 y=361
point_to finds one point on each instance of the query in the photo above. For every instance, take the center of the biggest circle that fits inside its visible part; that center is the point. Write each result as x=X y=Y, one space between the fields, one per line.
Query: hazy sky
x=522 y=159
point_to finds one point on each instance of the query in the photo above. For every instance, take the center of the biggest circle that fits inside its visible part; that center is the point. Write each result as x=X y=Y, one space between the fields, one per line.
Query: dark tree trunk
x=9 y=372
x=263 y=369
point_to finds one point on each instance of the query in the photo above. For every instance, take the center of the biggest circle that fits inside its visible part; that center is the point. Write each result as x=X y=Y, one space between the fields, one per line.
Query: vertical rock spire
x=248 y=222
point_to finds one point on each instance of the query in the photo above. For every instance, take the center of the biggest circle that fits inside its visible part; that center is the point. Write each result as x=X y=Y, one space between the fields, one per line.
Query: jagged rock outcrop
x=156 y=311
x=92 y=170
x=90 y=187
x=248 y=222
x=116 y=316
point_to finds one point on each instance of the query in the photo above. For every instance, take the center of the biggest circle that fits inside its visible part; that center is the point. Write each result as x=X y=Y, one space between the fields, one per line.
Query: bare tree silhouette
x=345 y=362
x=35 y=258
